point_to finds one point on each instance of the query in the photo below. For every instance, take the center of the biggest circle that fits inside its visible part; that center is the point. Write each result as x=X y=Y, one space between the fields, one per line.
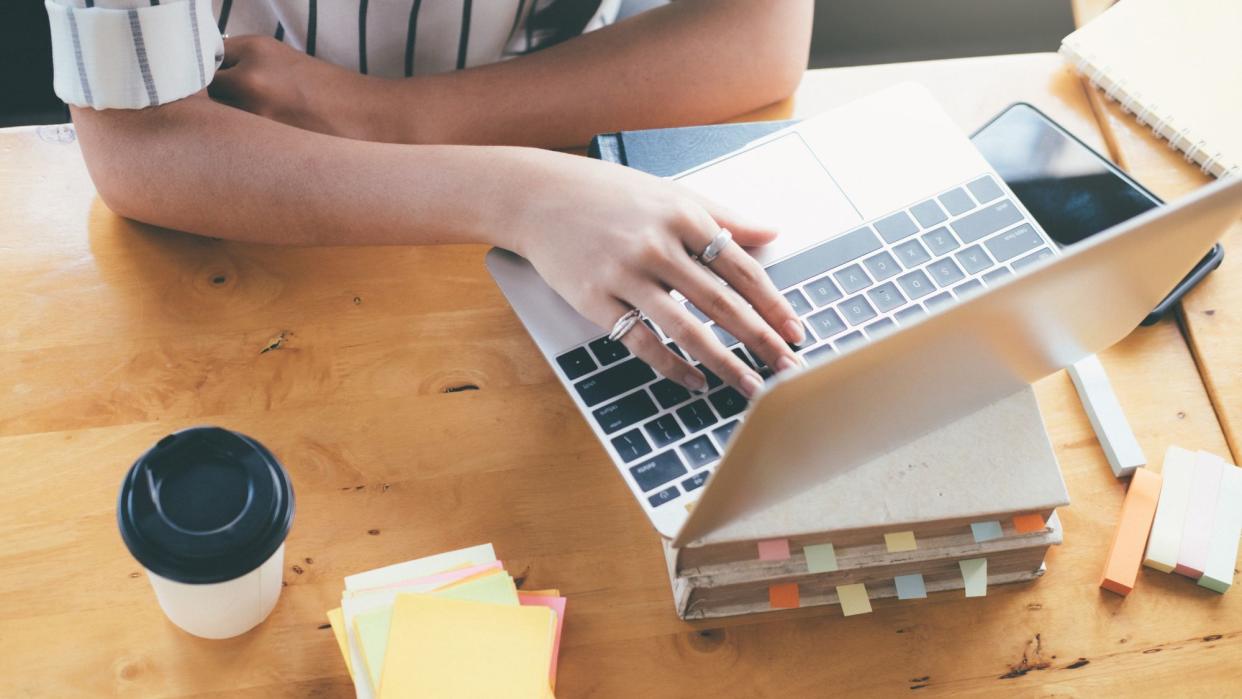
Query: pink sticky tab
x=774 y=550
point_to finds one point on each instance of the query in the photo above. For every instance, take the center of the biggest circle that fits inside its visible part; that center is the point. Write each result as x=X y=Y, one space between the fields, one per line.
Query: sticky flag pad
x=820 y=558
x=910 y=586
x=900 y=541
x=975 y=575
x=1029 y=523
x=985 y=531
x=783 y=596
x=853 y=599
x=774 y=550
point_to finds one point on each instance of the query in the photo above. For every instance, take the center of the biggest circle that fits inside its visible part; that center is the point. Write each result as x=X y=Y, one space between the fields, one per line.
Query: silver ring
x=624 y=324
x=714 y=248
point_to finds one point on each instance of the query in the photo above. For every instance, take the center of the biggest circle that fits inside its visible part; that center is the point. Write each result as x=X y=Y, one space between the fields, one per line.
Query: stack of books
x=966 y=507
x=452 y=624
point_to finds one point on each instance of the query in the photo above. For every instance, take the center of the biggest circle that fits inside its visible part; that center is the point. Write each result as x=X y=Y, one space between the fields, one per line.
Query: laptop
x=926 y=289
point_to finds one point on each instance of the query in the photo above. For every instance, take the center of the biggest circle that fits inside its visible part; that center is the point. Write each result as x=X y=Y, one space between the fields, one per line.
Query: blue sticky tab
x=986 y=531
x=910 y=586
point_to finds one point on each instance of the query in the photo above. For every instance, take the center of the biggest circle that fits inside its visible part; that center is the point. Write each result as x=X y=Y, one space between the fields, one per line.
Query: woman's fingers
x=726 y=307
x=694 y=337
x=647 y=346
x=745 y=276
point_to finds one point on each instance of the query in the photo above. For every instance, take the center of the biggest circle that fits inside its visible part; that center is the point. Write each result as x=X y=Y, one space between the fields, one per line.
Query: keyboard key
x=745 y=357
x=851 y=340
x=880 y=327
x=945 y=271
x=725 y=432
x=916 y=284
x=823 y=257
x=856 y=310
x=928 y=213
x=614 y=381
x=852 y=278
x=607 y=351
x=699 y=452
x=664 y=430
x=753 y=360
x=985 y=189
x=912 y=253
x=728 y=402
x=723 y=335
x=1032 y=258
x=881 y=265
x=822 y=291
x=808 y=339
x=971 y=287
x=797 y=300
x=973 y=259
x=654 y=473
x=895 y=227
x=1014 y=242
x=667 y=495
x=696 y=416
x=631 y=445
x=712 y=380
x=622 y=413
x=696 y=481
x=820 y=351
x=886 y=297
x=667 y=393
x=908 y=314
x=940 y=241
x=986 y=221
x=576 y=363
x=694 y=311
x=941 y=299
x=672 y=347
x=956 y=201
x=996 y=275
x=827 y=323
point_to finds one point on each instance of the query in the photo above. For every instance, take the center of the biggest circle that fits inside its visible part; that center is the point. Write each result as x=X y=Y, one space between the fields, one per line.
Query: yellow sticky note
x=975 y=575
x=854 y=599
x=900 y=541
x=440 y=647
x=337 y=620
x=372 y=627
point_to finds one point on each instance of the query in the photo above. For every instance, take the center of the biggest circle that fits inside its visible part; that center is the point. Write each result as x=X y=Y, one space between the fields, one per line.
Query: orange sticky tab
x=1137 y=512
x=1025 y=524
x=783 y=596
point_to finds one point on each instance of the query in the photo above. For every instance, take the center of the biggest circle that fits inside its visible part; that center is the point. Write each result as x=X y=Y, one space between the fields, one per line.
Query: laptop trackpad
x=781 y=185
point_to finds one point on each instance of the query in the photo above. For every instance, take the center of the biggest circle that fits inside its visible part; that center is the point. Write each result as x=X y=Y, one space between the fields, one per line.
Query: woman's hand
x=609 y=239
x=268 y=78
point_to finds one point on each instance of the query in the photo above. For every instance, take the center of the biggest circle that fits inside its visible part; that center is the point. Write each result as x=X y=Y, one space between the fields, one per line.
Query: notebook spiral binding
x=1164 y=126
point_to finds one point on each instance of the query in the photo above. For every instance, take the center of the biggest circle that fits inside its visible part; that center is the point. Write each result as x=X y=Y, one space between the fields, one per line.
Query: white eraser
x=1120 y=445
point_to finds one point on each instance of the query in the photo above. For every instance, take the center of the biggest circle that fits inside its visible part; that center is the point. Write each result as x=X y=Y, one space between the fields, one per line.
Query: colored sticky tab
x=783 y=596
x=820 y=558
x=774 y=550
x=910 y=586
x=440 y=647
x=986 y=531
x=552 y=600
x=1223 y=549
x=422 y=567
x=975 y=575
x=853 y=599
x=1166 y=529
x=1029 y=523
x=1125 y=555
x=337 y=620
x=1200 y=511
x=897 y=542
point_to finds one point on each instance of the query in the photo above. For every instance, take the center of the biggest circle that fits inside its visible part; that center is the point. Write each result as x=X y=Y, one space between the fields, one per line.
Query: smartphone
x=1073 y=191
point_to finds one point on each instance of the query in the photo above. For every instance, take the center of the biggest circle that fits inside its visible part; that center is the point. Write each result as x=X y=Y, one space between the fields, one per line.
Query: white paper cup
x=206 y=512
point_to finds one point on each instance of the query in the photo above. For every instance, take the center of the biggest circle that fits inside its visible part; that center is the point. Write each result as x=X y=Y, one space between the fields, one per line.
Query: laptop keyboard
x=847 y=291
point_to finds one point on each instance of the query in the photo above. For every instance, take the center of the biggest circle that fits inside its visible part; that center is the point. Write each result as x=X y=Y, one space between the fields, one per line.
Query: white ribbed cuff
x=130 y=59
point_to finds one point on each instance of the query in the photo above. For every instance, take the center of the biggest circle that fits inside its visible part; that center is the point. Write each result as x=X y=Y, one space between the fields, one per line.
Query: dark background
x=847 y=32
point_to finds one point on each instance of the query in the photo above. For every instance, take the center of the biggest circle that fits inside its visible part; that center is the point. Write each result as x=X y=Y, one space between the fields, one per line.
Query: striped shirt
x=130 y=54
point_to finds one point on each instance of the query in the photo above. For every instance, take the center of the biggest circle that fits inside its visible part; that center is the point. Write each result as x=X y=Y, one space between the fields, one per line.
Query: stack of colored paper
x=453 y=624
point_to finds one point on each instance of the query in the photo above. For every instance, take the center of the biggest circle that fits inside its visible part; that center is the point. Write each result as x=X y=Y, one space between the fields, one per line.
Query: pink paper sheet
x=440 y=579
x=556 y=604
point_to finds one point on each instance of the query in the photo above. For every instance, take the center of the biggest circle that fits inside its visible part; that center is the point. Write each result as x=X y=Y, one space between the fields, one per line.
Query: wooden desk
x=350 y=365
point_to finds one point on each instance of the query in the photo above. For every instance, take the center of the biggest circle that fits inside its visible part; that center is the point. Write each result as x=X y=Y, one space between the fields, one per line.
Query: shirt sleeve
x=130 y=54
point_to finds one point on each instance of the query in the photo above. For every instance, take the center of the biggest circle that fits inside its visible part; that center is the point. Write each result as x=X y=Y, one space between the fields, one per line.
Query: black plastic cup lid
x=205 y=505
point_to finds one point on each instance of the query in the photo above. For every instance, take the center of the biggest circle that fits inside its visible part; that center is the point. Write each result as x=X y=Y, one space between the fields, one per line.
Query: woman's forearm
x=693 y=61
x=202 y=167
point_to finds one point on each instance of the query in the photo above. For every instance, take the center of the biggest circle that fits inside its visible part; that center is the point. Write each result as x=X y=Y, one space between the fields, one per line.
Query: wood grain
x=416 y=416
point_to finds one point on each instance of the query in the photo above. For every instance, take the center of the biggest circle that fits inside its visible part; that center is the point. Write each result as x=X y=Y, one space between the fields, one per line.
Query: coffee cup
x=206 y=511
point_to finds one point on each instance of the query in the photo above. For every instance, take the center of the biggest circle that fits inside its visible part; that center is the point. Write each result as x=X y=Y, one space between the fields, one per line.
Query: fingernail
x=793 y=331
x=751 y=385
x=785 y=364
x=695 y=381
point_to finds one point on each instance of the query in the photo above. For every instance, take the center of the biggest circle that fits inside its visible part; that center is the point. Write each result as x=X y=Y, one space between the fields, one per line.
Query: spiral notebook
x=1176 y=67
